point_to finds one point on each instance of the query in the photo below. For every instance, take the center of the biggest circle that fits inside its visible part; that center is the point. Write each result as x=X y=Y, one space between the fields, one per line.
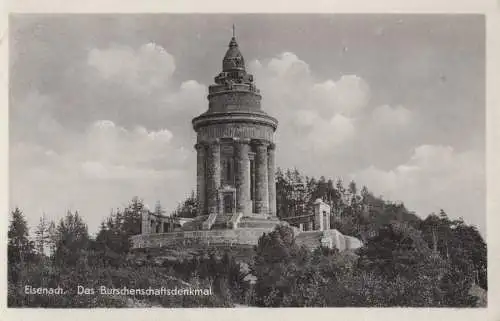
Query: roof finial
x=233 y=31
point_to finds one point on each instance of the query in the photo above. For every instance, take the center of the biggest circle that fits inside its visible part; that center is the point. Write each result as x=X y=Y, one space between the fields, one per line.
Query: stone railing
x=232 y=87
x=235 y=219
x=210 y=221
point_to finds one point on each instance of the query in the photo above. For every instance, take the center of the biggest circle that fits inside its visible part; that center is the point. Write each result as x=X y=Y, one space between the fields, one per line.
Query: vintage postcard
x=230 y=161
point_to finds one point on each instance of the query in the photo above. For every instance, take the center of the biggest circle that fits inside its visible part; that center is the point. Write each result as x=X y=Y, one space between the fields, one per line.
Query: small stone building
x=318 y=220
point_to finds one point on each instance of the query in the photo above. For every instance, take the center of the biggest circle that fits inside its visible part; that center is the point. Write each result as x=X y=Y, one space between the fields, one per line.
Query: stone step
x=254 y=218
x=192 y=226
x=221 y=221
x=222 y=218
x=257 y=224
x=219 y=226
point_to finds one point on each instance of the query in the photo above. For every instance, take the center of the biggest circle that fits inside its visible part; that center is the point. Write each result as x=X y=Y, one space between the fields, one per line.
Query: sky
x=100 y=106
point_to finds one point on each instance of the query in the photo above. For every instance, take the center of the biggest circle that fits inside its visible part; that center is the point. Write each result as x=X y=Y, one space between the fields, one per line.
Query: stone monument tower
x=235 y=149
x=236 y=187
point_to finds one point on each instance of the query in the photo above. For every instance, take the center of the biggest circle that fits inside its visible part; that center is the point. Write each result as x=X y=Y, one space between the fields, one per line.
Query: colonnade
x=246 y=152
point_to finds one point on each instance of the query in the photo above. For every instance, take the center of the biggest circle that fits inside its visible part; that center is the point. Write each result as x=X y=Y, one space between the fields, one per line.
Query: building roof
x=233 y=59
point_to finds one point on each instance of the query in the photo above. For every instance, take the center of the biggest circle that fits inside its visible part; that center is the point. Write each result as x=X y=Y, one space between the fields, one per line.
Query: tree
x=188 y=208
x=72 y=239
x=42 y=235
x=113 y=238
x=396 y=250
x=277 y=257
x=159 y=209
x=20 y=248
x=470 y=244
x=52 y=238
x=414 y=274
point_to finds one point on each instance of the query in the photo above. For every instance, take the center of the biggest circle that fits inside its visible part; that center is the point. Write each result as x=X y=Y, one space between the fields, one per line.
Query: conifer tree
x=20 y=248
x=42 y=235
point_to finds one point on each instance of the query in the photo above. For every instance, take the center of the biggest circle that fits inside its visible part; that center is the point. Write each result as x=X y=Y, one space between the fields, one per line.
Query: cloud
x=131 y=85
x=146 y=68
x=119 y=126
x=434 y=177
x=288 y=83
x=327 y=133
x=386 y=115
x=348 y=95
x=32 y=119
x=317 y=113
x=106 y=166
x=106 y=142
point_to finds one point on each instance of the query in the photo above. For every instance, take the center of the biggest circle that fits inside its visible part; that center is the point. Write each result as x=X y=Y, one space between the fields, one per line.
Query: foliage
x=405 y=261
x=113 y=239
x=394 y=268
x=277 y=260
x=219 y=269
x=354 y=211
x=188 y=208
x=460 y=244
x=42 y=237
x=72 y=240
x=19 y=248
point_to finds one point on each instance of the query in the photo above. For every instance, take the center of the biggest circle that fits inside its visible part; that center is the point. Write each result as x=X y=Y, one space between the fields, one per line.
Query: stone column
x=146 y=222
x=261 y=181
x=213 y=177
x=242 y=179
x=272 y=180
x=200 y=178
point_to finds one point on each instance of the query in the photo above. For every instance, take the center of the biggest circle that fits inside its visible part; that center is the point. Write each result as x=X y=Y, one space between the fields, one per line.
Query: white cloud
x=139 y=85
x=316 y=113
x=33 y=113
x=306 y=117
x=105 y=167
x=289 y=66
x=434 y=177
x=106 y=143
x=327 y=134
x=326 y=127
x=347 y=96
x=91 y=148
x=146 y=68
x=386 y=115
x=191 y=96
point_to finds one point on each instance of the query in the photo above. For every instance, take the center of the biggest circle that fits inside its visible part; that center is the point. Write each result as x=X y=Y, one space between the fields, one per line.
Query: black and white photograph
x=161 y=160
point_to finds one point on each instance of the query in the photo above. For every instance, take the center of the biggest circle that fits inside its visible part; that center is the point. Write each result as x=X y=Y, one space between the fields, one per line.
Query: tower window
x=228 y=171
x=252 y=180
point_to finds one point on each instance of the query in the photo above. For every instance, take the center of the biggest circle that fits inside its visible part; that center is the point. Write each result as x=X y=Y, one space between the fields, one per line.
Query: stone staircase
x=207 y=224
x=221 y=221
x=257 y=222
x=194 y=225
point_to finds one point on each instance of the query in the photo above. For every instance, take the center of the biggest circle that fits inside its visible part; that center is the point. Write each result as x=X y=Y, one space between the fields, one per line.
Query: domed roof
x=233 y=60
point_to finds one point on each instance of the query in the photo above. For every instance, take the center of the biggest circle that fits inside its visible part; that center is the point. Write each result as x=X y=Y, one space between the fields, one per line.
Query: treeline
x=354 y=211
x=405 y=260
x=394 y=268
x=359 y=213
x=65 y=255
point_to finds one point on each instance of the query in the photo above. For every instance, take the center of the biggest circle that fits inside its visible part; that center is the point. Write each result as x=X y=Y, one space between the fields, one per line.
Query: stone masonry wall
x=236 y=130
x=248 y=236
x=213 y=177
